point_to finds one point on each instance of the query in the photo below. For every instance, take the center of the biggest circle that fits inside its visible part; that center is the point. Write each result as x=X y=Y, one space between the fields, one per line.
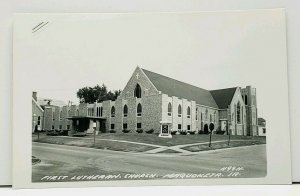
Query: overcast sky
x=211 y=50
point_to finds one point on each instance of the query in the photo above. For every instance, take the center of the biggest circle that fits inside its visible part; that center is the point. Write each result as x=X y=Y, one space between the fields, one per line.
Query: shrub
x=173 y=132
x=112 y=131
x=220 y=132
x=150 y=131
x=183 y=132
x=139 y=131
x=192 y=132
x=125 y=130
x=200 y=132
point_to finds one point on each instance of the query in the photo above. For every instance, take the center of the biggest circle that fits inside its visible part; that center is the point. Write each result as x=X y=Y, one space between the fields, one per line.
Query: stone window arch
x=179 y=110
x=138 y=91
x=238 y=113
x=188 y=111
x=125 y=110
x=169 y=109
x=139 y=110
x=112 y=111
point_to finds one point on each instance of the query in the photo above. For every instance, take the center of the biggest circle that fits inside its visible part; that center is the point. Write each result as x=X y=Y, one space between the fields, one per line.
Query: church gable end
x=138 y=86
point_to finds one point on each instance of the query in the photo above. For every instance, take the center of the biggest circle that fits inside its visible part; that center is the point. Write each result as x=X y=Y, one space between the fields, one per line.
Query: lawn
x=176 y=139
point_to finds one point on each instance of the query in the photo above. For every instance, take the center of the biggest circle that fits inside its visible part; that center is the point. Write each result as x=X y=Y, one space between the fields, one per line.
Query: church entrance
x=205 y=129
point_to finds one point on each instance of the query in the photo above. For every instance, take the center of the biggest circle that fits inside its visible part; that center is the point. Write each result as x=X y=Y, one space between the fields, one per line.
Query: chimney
x=34 y=95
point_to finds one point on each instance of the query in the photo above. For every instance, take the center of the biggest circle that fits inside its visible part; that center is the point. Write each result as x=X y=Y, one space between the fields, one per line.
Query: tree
x=96 y=94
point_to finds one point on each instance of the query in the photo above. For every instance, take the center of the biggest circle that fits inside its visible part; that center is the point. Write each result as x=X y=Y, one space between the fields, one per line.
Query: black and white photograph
x=150 y=98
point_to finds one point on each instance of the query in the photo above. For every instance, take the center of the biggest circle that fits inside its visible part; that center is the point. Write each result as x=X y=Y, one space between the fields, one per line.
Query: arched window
x=201 y=116
x=179 y=110
x=238 y=113
x=196 y=113
x=210 y=118
x=215 y=117
x=138 y=91
x=60 y=115
x=188 y=112
x=206 y=114
x=246 y=100
x=125 y=111
x=112 y=111
x=169 y=109
x=139 y=110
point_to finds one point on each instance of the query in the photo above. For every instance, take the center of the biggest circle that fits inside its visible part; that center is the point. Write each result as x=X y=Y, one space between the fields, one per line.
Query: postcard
x=134 y=99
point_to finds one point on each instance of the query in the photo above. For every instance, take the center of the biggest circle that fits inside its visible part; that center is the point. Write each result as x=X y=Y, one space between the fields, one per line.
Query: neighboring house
x=37 y=114
x=261 y=127
x=150 y=98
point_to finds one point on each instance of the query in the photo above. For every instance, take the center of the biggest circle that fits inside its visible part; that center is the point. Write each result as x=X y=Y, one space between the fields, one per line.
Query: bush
x=183 y=132
x=173 y=132
x=139 y=131
x=220 y=132
x=200 y=132
x=125 y=130
x=150 y=131
x=192 y=132
x=112 y=131
x=79 y=134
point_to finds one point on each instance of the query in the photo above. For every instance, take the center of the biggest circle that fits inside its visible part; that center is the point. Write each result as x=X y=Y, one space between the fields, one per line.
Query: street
x=58 y=160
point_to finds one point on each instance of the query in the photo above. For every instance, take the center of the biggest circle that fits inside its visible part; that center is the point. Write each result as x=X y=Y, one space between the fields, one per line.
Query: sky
x=211 y=50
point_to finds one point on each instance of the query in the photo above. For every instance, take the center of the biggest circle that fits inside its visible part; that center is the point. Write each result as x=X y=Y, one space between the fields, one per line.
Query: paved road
x=58 y=158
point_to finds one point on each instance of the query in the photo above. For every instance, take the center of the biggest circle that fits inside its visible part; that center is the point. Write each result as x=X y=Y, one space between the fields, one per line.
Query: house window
x=189 y=127
x=210 y=118
x=39 y=120
x=215 y=117
x=68 y=127
x=112 y=111
x=188 y=112
x=139 y=110
x=169 y=109
x=179 y=111
x=69 y=112
x=179 y=126
x=125 y=111
x=201 y=116
x=138 y=125
x=238 y=113
x=138 y=91
x=112 y=126
x=125 y=126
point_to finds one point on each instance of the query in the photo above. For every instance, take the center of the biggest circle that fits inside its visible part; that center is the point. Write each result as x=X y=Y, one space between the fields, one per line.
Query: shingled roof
x=223 y=97
x=179 y=89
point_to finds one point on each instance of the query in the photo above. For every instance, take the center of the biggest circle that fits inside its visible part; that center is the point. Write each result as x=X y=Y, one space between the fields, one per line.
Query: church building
x=150 y=99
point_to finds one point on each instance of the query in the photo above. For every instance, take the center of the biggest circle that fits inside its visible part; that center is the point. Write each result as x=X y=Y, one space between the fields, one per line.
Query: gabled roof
x=223 y=97
x=179 y=89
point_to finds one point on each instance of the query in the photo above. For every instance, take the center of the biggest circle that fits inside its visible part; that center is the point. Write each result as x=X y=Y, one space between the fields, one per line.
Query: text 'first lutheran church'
x=148 y=101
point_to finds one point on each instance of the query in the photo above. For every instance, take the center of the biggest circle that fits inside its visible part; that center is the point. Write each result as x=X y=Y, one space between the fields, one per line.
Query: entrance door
x=205 y=129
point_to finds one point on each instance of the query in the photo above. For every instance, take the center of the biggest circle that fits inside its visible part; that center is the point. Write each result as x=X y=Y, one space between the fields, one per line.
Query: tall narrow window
x=139 y=110
x=169 y=109
x=215 y=117
x=53 y=116
x=125 y=111
x=69 y=112
x=138 y=91
x=39 y=120
x=238 y=113
x=188 y=112
x=101 y=111
x=246 y=100
x=206 y=114
x=201 y=117
x=179 y=111
x=112 y=111
x=196 y=113
x=97 y=111
x=60 y=115
x=210 y=118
